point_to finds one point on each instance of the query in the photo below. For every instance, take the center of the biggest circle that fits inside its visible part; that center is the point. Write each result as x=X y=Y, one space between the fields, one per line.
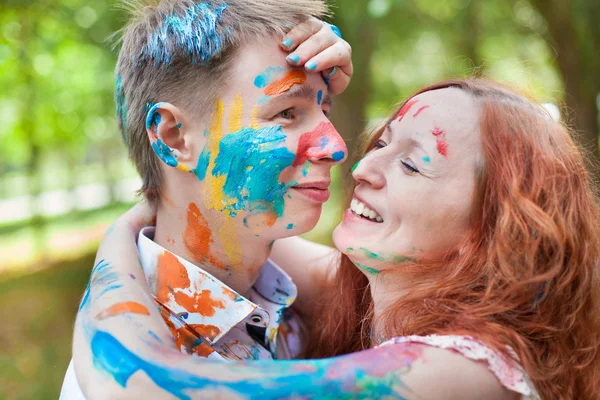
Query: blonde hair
x=180 y=51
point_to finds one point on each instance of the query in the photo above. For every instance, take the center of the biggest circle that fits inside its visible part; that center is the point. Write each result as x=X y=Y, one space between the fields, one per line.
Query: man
x=230 y=135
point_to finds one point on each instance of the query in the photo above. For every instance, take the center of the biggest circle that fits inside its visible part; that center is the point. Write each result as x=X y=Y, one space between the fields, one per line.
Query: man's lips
x=317 y=191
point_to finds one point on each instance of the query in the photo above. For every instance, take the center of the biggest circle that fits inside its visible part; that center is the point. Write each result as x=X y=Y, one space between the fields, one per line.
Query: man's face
x=265 y=159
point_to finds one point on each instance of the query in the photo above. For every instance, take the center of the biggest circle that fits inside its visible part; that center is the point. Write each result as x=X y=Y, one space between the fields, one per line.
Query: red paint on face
x=441 y=142
x=322 y=142
x=404 y=110
x=419 y=111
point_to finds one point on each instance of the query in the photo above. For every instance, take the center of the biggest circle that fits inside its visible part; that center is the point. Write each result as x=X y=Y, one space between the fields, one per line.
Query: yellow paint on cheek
x=254 y=123
x=213 y=192
x=235 y=114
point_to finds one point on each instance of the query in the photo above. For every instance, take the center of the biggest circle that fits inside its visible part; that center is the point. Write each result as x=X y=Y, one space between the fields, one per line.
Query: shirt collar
x=204 y=302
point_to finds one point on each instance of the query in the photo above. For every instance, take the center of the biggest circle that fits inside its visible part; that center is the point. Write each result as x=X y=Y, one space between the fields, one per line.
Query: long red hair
x=527 y=274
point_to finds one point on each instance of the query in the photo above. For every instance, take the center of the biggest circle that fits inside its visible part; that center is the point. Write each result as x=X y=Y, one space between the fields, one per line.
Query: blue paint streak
x=195 y=33
x=319 y=97
x=338 y=155
x=426 y=159
x=121 y=107
x=252 y=160
x=179 y=125
x=100 y=273
x=164 y=152
x=108 y=289
x=323 y=142
x=150 y=119
x=269 y=75
x=282 y=379
x=263 y=99
x=202 y=166
x=290 y=227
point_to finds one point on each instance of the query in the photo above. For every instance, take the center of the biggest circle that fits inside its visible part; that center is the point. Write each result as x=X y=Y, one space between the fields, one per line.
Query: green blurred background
x=64 y=174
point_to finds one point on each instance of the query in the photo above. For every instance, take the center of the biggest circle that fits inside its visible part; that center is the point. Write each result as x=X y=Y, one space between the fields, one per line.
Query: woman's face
x=414 y=190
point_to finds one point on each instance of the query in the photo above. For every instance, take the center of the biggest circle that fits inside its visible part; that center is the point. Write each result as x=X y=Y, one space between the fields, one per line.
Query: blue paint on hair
x=121 y=107
x=195 y=34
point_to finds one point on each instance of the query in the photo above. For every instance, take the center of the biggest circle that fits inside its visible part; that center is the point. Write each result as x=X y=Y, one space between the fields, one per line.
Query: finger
x=314 y=45
x=339 y=55
x=300 y=33
x=336 y=83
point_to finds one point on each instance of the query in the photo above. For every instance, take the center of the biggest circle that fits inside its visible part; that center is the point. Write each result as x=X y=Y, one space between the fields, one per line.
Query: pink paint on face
x=441 y=142
x=322 y=142
x=404 y=110
x=419 y=111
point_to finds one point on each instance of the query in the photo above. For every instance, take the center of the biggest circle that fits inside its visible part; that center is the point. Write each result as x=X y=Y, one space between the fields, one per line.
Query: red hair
x=526 y=275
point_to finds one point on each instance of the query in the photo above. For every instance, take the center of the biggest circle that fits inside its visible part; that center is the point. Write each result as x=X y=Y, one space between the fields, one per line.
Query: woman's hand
x=319 y=47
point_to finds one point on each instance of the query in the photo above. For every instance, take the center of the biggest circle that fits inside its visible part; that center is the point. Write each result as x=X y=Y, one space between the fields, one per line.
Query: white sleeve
x=70 y=388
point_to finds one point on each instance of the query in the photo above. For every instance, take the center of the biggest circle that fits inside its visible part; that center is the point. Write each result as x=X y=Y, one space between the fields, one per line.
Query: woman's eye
x=380 y=144
x=409 y=166
x=286 y=114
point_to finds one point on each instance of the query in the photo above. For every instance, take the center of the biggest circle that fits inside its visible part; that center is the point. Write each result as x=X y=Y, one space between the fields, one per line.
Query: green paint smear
x=370 y=270
x=394 y=259
x=355 y=166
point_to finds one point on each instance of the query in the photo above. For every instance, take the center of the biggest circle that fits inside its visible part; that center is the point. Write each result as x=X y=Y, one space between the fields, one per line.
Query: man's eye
x=286 y=114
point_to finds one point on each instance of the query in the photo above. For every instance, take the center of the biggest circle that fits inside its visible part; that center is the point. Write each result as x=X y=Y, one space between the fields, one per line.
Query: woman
x=468 y=267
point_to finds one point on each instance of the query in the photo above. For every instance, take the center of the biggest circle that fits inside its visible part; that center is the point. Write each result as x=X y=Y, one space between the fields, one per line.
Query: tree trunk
x=579 y=71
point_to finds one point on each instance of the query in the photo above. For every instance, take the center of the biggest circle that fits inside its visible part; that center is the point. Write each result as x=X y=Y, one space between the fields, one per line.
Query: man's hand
x=319 y=47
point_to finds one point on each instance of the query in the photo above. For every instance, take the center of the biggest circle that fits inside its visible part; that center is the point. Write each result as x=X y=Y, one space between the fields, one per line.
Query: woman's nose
x=369 y=171
x=322 y=144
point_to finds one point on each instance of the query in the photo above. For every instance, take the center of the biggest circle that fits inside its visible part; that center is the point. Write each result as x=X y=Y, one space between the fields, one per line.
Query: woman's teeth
x=361 y=209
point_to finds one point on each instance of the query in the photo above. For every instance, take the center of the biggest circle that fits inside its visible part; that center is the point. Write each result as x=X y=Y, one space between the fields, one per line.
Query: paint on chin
x=322 y=142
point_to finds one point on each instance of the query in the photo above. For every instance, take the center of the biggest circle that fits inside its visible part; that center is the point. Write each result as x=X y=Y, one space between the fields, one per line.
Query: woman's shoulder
x=509 y=372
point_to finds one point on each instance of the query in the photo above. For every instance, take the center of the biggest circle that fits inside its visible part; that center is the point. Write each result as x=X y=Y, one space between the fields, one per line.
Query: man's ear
x=166 y=132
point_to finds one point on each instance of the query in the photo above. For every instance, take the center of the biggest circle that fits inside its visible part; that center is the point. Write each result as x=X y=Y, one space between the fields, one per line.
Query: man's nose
x=322 y=144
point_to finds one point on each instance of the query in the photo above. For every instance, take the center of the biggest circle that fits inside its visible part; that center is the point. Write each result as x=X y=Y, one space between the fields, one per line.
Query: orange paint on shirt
x=207 y=331
x=171 y=275
x=295 y=77
x=129 y=307
x=185 y=339
x=201 y=303
x=229 y=293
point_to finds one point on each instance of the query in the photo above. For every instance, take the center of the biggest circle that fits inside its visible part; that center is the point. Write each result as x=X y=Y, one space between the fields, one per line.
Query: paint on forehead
x=195 y=33
x=121 y=106
x=441 y=141
x=419 y=111
x=405 y=109
x=128 y=307
x=285 y=83
x=268 y=76
x=319 y=97
x=322 y=142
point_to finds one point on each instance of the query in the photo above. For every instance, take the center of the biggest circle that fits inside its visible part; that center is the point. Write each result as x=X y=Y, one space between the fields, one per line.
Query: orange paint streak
x=295 y=77
x=171 y=275
x=207 y=331
x=167 y=200
x=198 y=237
x=232 y=295
x=129 y=307
x=185 y=337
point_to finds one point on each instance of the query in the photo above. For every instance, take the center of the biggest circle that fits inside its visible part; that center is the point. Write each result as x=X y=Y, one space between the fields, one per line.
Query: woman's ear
x=164 y=126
